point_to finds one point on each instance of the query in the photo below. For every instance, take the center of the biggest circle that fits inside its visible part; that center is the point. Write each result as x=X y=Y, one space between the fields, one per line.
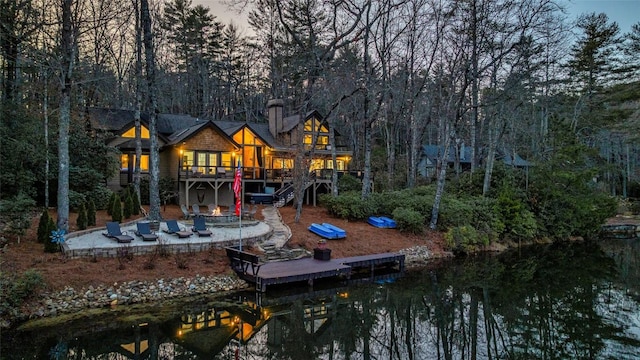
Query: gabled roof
x=185 y=133
x=290 y=122
x=113 y=120
x=169 y=124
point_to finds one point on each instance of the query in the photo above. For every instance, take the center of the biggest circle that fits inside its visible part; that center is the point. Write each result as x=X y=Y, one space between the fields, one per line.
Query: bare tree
x=154 y=156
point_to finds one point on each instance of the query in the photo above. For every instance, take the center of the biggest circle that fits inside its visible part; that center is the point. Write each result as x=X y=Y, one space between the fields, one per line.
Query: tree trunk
x=65 y=117
x=154 y=157
x=138 y=80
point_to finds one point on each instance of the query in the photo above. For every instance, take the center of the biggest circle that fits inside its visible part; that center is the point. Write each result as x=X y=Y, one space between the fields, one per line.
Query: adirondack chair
x=185 y=212
x=196 y=210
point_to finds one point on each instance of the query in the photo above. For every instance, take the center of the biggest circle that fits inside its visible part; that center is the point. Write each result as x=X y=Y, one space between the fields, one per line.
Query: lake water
x=563 y=301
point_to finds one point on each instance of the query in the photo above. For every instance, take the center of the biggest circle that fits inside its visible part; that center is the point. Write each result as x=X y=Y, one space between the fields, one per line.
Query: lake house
x=200 y=156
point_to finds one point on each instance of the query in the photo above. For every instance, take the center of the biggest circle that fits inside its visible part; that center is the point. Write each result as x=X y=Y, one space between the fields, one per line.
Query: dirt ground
x=60 y=272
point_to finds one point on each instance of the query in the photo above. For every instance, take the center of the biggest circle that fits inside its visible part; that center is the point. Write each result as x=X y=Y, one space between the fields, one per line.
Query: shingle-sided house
x=201 y=155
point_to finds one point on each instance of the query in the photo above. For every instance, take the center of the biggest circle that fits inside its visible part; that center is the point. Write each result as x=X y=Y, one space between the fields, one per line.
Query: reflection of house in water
x=207 y=332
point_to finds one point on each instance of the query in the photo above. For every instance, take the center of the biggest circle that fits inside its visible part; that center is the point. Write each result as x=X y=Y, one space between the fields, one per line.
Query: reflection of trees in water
x=626 y=254
x=550 y=302
x=541 y=305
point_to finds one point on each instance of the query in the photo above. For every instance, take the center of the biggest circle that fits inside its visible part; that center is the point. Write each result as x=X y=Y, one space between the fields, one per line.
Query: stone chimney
x=275 y=108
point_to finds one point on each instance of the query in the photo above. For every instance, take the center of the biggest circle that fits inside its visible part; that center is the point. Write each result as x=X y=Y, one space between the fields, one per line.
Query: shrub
x=101 y=196
x=455 y=212
x=50 y=246
x=136 y=202
x=112 y=200
x=349 y=183
x=91 y=213
x=116 y=209
x=409 y=220
x=16 y=213
x=347 y=206
x=43 y=226
x=128 y=206
x=82 y=217
x=15 y=290
x=465 y=239
x=76 y=199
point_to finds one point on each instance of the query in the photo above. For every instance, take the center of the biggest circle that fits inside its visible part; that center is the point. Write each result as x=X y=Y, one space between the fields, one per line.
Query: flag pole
x=237 y=190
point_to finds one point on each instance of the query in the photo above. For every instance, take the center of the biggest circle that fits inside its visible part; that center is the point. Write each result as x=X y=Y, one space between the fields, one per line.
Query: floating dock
x=250 y=269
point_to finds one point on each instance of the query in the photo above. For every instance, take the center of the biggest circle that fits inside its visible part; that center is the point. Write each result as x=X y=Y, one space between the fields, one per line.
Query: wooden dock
x=249 y=268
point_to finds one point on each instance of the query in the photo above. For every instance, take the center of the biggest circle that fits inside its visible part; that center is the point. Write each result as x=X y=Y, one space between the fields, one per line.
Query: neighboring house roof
x=515 y=161
x=432 y=152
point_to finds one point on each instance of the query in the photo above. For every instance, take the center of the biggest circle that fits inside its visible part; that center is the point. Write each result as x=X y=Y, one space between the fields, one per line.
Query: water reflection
x=576 y=301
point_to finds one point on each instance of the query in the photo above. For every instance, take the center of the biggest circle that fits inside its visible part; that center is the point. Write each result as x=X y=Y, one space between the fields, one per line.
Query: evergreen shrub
x=127 y=211
x=116 y=209
x=112 y=200
x=348 y=183
x=409 y=220
x=76 y=199
x=43 y=227
x=82 y=217
x=465 y=239
x=101 y=196
x=136 y=202
x=16 y=289
x=50 y=246
x=91 y=213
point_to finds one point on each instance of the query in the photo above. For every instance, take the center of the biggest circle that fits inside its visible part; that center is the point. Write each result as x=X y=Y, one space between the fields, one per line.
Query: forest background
x=497 y=77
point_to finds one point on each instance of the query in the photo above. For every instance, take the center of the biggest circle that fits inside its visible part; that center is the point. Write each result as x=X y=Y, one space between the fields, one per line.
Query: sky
x=624 y=12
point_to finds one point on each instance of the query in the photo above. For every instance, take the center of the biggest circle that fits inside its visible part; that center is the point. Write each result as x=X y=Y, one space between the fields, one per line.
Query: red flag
x=237 y=187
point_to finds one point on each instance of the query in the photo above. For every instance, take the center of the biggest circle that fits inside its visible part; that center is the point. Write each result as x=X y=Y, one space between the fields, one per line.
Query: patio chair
x=144 y=231
x=249 y=212
x=114 y=232
x=174 y=229
x=196 y=210
x=200 y=226
x=185 y=212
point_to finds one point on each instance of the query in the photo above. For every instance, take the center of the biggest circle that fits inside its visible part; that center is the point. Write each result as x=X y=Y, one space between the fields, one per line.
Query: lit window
x=144 y=162
x=131 y=133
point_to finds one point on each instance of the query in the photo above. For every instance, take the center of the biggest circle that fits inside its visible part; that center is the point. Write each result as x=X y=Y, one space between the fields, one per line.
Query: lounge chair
x=114 y=232
x=200 y=227
x=212 y=208
x=144 y=231
x=185 y=212
x=174 y=229
x=196 y=210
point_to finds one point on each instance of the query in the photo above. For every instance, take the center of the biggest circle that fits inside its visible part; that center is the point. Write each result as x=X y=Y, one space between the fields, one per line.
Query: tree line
x=494 y=76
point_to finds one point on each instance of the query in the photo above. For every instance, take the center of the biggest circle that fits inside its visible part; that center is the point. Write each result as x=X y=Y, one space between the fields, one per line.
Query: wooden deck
x=309 y=269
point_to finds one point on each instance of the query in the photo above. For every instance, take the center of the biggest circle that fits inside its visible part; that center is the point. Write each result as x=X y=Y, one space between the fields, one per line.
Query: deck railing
x=254 y=173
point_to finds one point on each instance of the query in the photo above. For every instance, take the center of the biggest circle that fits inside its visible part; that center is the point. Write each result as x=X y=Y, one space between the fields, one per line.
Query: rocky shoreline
x=71 y=300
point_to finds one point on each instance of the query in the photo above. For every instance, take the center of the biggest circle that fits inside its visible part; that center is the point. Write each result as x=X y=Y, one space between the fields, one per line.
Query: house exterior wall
x=208 y=139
